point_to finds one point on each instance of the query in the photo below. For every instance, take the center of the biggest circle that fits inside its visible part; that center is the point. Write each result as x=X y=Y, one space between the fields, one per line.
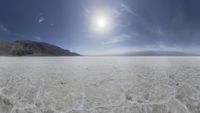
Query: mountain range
x=158 y=53
x=32 y=48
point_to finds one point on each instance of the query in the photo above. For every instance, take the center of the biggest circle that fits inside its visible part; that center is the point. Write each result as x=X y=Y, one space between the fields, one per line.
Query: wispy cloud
x=116 y=12
x=116 y=39
x=51 y=25
x=127 y=9
x=87 y=10
x=37 y=38
x=157 y=30
x=112 y=41
x=3 y=29
x=41 y=19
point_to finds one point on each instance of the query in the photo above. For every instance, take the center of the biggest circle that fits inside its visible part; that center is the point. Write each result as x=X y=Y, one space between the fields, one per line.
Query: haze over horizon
x=102 y=26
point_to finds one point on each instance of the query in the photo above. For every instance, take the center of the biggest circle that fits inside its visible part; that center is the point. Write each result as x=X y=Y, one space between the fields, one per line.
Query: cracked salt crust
x=100 y=85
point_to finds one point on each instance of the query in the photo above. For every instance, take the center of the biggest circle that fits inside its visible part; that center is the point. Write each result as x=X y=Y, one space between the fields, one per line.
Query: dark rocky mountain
x=160 y=53
x=32 y=48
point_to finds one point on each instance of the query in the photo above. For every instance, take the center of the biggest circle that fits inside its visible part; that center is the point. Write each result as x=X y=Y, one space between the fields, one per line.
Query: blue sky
x=132 y=24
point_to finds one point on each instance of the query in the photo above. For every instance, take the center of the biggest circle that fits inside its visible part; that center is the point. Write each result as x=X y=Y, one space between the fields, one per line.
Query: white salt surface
x=99 y=84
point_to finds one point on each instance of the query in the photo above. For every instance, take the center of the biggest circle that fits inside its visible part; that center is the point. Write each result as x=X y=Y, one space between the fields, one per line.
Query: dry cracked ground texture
x=100 y=85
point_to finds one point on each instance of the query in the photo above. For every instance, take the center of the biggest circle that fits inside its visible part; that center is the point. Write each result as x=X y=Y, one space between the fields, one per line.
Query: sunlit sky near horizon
x=104 y=26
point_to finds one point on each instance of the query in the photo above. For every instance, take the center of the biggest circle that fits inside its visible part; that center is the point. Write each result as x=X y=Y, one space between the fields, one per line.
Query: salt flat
x=99 y=84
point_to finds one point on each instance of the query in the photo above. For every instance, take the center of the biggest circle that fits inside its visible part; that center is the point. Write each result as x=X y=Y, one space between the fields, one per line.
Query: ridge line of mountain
x=32 y=48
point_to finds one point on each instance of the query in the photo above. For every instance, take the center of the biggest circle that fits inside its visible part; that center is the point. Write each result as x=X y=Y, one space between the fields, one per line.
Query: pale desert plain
x=100 y=84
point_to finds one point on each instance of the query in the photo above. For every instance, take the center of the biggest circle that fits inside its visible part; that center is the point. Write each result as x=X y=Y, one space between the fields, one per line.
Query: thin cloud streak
x=112 y=41
x=4 y=29
x=117 y=39
x=127 y=9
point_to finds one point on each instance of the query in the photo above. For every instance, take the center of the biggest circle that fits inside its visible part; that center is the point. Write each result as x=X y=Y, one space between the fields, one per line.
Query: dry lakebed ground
x=99 y=84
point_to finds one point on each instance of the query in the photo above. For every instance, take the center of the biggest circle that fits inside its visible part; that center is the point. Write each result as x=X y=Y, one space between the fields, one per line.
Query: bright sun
x=101 y=22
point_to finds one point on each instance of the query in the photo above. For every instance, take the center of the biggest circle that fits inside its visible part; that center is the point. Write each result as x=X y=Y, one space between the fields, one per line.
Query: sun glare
x=101 y=22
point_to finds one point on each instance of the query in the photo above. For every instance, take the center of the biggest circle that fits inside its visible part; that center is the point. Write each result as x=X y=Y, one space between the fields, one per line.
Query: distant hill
x=32 y=48
x=159 y=53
